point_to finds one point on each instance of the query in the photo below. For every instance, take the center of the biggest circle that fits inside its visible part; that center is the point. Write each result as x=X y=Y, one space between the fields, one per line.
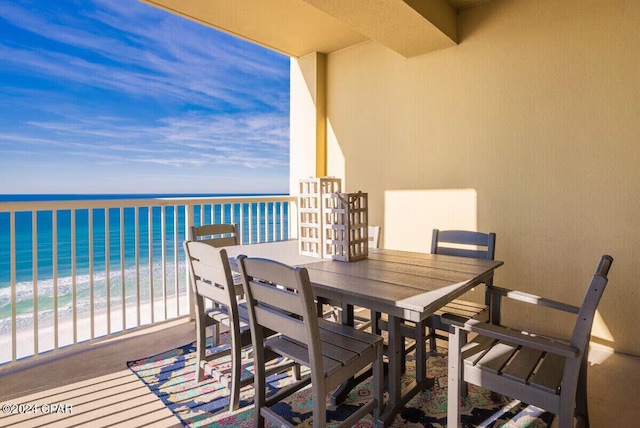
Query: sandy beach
x=25 y=335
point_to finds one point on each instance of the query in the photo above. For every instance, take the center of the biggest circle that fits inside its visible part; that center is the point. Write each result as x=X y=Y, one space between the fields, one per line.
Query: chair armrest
x=533 y=299
x=511 y=336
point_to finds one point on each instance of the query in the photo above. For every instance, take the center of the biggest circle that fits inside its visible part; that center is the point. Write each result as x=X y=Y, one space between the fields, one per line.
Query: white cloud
x=241 y=139
x=120 y=86
x=139 y=50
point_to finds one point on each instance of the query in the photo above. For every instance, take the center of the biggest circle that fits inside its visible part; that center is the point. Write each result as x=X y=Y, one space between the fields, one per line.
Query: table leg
x=395 y=371
x=421 y=351
x=341 y=394
x=397 y=396
x=348 y=317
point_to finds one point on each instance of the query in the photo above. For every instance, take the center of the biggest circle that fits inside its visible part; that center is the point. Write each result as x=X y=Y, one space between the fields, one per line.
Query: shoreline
x=134 y=278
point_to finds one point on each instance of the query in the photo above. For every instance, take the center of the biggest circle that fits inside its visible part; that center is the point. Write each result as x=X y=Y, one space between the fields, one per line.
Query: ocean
x=85 y=284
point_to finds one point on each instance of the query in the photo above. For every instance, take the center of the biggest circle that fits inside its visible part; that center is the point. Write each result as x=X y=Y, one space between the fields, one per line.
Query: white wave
x=133 y=280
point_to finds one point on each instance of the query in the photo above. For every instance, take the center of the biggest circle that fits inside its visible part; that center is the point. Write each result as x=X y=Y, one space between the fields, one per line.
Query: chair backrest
x=217 y=235
x=455 y=241
x=374 y=236
x=280 y=298
x=586 y=315
x=211 y=275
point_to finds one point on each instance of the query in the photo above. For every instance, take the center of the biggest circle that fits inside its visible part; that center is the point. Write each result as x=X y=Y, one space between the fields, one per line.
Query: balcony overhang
x=299 y=27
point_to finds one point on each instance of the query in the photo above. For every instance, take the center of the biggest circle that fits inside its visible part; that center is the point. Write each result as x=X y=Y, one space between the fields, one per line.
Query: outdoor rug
x=171 y=376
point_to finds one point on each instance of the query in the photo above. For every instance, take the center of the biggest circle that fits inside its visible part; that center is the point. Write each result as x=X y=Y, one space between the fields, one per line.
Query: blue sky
x=116 y=96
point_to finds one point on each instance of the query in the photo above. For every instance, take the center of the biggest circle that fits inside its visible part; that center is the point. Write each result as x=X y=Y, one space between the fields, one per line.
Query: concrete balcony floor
x=104 y=392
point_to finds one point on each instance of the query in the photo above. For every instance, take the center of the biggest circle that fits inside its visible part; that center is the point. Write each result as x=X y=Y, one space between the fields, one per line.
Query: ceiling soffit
x=299 y=27
x=292 y=27
x=409 y=27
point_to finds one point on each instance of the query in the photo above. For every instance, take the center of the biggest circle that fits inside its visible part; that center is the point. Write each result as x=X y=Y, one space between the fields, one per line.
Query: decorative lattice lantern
x=310 y=201
x=345 y=226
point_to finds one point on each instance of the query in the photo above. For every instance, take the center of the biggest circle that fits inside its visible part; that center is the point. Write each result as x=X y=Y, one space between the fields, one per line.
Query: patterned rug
x=171 y=376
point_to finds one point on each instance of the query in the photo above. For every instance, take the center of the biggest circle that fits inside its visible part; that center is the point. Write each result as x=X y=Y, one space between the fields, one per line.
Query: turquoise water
x=25 y=268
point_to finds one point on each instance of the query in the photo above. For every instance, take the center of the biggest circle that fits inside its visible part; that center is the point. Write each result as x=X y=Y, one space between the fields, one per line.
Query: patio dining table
x=404 y=285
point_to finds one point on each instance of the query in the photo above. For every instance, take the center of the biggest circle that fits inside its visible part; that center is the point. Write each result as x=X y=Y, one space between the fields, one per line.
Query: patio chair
x=453 y=241
x=280 y=298
x=218 y=235
x=211 y=278
x=456 y=243
x=542 y=371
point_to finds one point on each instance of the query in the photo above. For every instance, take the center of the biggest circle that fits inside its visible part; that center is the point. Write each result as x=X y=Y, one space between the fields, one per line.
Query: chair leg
x=201 y=342
x=464 y=386
x=215 y=332
x=319 y=309
x=236 y=372
x=432 y=339
x=455 y=376
x=375 y=317
x=567 y=407
x=565 y=418
x=215 y=335
x=295 y=372
x=582 y=410
x=201 y=351
x=421 y=351
x=319 y=405
x=378 y=393
x=259 y=386
x=403 y=361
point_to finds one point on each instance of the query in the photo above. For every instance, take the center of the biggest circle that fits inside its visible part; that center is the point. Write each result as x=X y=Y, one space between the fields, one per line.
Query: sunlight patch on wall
x=599 y=353
x=601 y=345
x=411 y=215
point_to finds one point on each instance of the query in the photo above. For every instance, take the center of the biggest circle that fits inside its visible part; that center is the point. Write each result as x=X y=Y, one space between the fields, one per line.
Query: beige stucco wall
x=534 y=121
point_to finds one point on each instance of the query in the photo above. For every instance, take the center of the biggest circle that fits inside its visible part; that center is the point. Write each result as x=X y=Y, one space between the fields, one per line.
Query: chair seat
x=510 y=364
x=460 y=308
x=223 y=374
x=343 y=348
x=220 y=315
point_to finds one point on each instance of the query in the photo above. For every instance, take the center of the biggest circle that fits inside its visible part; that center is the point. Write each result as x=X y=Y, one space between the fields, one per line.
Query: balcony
x=534 y=113
x=73 y=354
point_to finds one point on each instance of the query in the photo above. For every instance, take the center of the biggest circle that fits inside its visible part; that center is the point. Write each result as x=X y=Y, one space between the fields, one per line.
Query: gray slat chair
x=450 y=243
x=218 y=235
x=541 y=371
x=452 y=240
x=211 y=278
x=280 y=298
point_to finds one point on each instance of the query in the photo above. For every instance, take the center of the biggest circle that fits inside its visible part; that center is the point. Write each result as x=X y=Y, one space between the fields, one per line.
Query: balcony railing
x=72 y=272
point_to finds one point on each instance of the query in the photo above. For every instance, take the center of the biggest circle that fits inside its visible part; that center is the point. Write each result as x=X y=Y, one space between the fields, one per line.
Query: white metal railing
x=72 y=272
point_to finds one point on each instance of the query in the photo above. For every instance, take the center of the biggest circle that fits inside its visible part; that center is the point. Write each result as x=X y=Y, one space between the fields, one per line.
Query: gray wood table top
x=405 y=284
